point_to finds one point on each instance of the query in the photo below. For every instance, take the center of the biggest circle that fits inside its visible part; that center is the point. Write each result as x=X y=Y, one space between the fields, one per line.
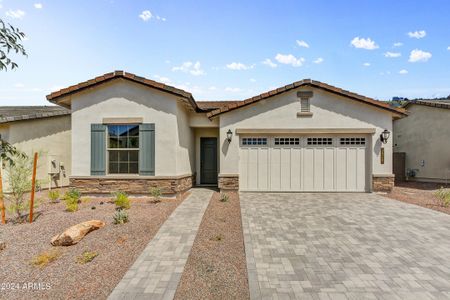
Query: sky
x=226 y=50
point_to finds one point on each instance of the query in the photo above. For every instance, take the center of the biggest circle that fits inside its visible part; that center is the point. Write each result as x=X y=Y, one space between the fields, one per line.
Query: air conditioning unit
x=54 y=167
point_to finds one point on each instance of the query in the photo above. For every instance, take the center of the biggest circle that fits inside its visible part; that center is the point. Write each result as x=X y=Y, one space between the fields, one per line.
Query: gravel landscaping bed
x=117 y=246
x=216 y=267
x=419 y=193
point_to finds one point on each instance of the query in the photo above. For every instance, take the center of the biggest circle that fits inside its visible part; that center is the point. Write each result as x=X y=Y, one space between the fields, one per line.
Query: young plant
x=121 y=200
x=53 y=196
x=71 y=199
x=120 y=217
x=155 y=192
x=87 y=257
x=45 y=258
x=443 y=196
x=224 y=197
x=19 y=179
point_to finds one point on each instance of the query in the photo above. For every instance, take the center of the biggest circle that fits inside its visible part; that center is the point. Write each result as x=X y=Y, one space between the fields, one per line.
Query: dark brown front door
x=208 y=160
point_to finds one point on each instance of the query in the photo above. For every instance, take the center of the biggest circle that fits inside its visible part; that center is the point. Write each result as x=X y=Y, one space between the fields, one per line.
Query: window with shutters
x=123 y=149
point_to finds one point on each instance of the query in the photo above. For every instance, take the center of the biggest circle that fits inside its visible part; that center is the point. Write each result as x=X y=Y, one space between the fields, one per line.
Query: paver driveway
x=344 y=246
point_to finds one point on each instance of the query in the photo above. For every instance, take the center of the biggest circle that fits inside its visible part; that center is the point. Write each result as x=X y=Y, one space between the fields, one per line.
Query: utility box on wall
x=54 y=165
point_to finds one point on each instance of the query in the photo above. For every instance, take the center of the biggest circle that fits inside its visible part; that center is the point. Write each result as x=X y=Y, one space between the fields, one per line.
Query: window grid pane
x=353 y=141
x=254 y=141
x=287 y=141
x=320 y=141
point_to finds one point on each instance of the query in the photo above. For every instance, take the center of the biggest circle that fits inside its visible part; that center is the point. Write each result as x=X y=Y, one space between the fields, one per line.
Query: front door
x=208 y=160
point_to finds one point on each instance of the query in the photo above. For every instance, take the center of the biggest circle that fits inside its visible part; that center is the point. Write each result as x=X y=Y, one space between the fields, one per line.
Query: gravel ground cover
x=419 y=193
x=117 y=247
x=216 y=267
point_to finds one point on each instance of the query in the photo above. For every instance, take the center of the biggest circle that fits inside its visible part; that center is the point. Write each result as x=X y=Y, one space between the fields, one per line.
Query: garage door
x=303 y=163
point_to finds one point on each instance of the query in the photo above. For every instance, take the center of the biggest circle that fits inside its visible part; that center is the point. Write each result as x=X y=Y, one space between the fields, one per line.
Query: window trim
x=108 y=149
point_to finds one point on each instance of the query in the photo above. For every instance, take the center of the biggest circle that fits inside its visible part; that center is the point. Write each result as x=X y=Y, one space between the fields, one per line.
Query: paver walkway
x=157 y=271
x=344 y=246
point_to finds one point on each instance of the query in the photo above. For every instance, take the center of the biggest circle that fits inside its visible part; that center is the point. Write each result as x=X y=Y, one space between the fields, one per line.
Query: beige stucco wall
x=51 y=137
x=124 y=99
x=425 y=138
x=199 y=133
x=329 y=111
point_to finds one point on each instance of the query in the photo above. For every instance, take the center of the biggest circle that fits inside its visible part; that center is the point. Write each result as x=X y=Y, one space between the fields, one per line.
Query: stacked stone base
x=383 y=183
x=132 y=185
x=229 y=182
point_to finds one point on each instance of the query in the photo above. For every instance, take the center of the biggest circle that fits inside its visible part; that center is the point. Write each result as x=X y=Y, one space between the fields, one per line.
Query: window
x=123 y=149
x=320 y=141
x=287 y=141
x=304 y=105
x=254 y=141
x=353 y=141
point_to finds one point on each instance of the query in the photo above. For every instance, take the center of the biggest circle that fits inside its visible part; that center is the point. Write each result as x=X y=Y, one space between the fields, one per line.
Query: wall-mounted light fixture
x=384 y=136
x=229 y=135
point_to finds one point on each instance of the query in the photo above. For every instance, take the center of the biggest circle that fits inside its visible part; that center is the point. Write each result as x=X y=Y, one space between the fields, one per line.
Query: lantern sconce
x=384 y=136
x=229 y=135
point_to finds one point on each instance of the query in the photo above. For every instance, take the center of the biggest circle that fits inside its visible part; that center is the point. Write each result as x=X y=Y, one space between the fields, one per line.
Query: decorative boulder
x=74 y=234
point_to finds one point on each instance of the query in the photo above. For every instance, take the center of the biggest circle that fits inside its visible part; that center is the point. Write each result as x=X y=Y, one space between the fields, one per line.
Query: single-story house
x=130 y=133
x=42 y=129
x=424 y=138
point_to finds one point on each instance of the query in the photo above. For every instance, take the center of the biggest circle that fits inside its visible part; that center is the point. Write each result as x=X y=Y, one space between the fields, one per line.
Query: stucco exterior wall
x=51 y=138
x=123 y=99
x=329 y=111
x=425 y=138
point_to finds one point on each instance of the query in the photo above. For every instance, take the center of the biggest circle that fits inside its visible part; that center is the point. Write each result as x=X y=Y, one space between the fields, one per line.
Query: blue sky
x=232 y=49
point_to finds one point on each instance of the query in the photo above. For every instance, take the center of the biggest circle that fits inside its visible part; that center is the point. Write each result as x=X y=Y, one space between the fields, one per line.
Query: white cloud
x=392 y=54
x=238 y=66
x=363 y=43
x=232 y=90
x=302 y=44
x=419 y=56
x=366 y=64
x=38 y=5
x=19 y=85
x=191 y=68
x=252 y=80
x=269 y=62
x=145 y=15
x=163 y=79
x=398 y=44
x=160 y=18
x=212 y=88
x=403 y=72
x=289 y=59
x=448 y=48
x=319 y=60
x=15 y=14
x=417 y=34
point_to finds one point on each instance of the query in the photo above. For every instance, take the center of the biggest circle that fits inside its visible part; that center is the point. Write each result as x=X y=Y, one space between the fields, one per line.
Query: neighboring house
x=42 y=129
x=130 y=133
x=425 y=138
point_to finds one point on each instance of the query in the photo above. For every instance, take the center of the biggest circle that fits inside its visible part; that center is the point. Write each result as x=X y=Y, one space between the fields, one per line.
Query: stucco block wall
x=124 y=99
x=51 y=137
x=425 y=138
x=329 y=111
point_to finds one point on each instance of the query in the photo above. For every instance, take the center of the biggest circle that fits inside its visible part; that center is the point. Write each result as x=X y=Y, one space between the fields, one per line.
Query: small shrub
x=120 y=217
x=87 y=257
x=73 y=193
x=121 y=200
x=72 y=197
x=443 y=196
x=224 y=197
x=53 y=196
x=155 y=192
x=45 y=258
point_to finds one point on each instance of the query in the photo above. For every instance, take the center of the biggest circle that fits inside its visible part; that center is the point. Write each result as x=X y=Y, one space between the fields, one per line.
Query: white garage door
x=303 y=163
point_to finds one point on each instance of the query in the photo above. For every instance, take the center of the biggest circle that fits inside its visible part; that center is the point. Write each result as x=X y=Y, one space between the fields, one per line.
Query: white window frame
x=108 y=149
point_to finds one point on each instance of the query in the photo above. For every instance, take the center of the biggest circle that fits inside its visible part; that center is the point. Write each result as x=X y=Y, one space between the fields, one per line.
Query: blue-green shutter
x=147 y=149
x=98 y=149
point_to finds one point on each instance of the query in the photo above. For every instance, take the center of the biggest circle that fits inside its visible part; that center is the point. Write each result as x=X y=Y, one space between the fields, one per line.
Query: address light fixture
x=229 y=135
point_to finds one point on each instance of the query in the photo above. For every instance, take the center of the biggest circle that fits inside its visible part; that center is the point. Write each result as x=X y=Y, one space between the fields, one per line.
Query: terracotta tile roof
x=306 y=82
x=20 y=113
x=56 y=96
x=211 y=105
x=433 y=103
